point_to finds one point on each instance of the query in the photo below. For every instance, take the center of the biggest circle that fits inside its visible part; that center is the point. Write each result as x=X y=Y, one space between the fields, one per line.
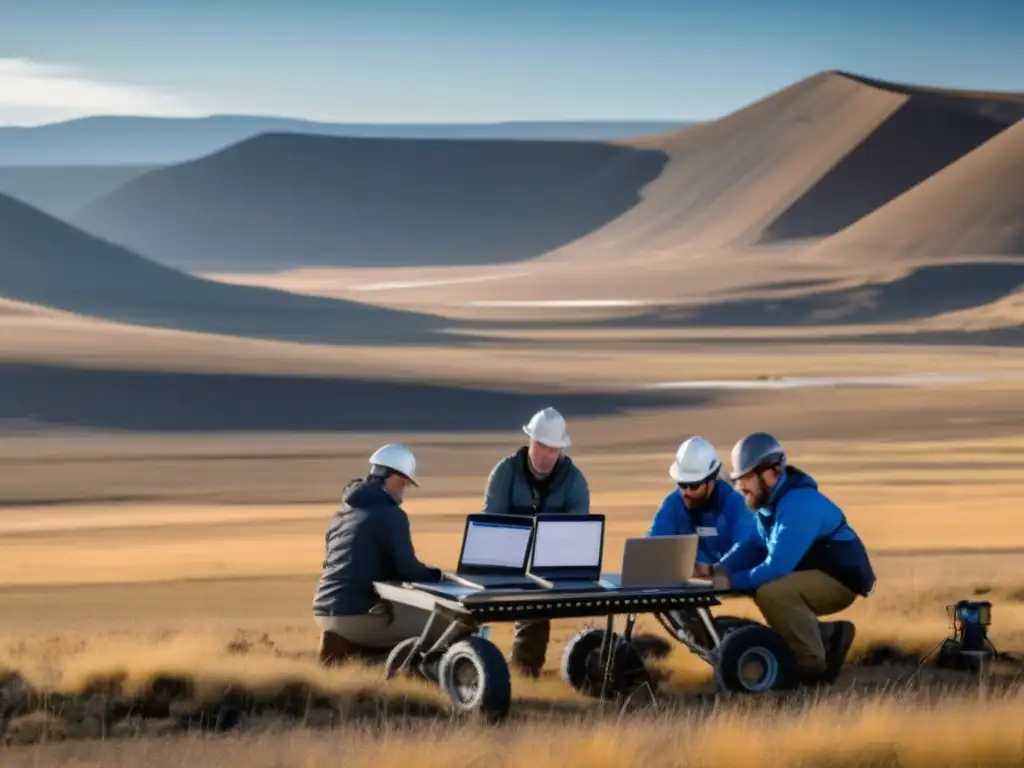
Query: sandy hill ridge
x=801 y=163
x=285 y=200
x=47 y=262
x=974 y=207
x=740 y=196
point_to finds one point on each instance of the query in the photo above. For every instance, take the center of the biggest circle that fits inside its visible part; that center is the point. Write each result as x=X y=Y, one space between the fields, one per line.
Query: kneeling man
x=804 y=560
x=369 y=539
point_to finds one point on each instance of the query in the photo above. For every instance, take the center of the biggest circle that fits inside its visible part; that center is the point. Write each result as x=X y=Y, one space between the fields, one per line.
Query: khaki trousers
x=791 y=604
x=384 y=626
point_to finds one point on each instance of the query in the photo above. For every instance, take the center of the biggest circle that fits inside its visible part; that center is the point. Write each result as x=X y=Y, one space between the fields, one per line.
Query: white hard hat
x=547 y=427
x=397 y=457
x=696 y=460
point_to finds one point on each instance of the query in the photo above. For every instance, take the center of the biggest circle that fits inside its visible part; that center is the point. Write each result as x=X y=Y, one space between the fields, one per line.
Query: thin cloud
x=32 y=92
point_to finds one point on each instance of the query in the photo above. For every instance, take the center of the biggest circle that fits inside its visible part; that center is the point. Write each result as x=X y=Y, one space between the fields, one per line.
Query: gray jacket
x=368 y=539
x=512 y=488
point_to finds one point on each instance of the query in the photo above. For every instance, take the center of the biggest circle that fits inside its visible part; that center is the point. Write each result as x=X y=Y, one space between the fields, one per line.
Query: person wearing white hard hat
x=703 y=504
x=538 y=478
x=706 y=505
x=369 y=539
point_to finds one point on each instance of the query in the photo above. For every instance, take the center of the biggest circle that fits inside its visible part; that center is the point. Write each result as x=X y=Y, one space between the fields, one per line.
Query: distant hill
x=799 y=164
x=60 y=190
x=281 y=200
x=47 y=262
x=973 y=207
x=115 y=140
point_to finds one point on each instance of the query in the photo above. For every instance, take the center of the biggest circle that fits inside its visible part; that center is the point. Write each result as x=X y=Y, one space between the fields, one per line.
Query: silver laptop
x=494 y=552
x=658 y=561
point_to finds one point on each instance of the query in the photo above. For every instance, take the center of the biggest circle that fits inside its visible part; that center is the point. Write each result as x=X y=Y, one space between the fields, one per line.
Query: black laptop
x=567 y=551
x=495 y=550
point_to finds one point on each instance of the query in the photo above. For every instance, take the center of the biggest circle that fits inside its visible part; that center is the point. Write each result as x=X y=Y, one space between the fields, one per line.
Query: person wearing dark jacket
x=803 y=559
x=369 y=539
x=538 y=478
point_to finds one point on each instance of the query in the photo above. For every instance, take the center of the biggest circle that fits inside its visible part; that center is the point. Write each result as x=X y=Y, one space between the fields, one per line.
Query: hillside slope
x=975 y=207
x=673 y=216
x=803 y=162
x=285 y=200
x=61 y=190
x=45 y=261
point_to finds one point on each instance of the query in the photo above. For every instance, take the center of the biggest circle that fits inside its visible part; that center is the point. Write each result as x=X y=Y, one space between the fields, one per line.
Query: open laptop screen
x=495 y=545
x=569 y=544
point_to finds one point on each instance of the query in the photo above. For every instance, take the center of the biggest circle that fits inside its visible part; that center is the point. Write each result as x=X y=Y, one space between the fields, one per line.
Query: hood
x=797 y=478
x=793 y=478
x=365 y=493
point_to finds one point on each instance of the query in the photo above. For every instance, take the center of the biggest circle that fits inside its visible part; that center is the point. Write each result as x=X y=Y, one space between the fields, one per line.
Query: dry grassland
x=215 y=597
x=153 y=583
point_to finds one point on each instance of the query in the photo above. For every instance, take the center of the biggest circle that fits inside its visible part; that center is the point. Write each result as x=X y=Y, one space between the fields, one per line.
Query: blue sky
x=479 y=60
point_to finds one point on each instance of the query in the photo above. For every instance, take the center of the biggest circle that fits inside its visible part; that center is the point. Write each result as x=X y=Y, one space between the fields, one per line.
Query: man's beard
x=695 y=503
x=758 y=498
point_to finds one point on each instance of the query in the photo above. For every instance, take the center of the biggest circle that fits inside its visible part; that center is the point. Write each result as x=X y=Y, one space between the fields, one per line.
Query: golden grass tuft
x=854 y=731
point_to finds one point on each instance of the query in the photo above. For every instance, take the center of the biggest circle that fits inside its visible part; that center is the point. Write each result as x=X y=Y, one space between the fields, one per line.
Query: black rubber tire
x=397 y=656
x=755 y=642
x=574 y=666
x=492 y=695
x=581 y=668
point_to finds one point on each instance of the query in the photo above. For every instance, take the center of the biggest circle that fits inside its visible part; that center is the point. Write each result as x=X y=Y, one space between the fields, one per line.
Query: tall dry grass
x=854 y=731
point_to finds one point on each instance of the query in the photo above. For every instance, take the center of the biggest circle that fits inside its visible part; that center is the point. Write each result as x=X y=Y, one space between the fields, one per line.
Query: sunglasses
x=692 y=486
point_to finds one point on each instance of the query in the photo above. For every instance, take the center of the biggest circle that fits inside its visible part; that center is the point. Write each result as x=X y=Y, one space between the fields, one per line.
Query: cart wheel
x=475 y=677
x=755 y=659
x=582 y=669
x=398 y=656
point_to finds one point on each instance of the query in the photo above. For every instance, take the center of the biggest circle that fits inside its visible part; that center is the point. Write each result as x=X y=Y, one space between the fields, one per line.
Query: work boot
x=529 y=647
x=335 y=649
x=838 y=637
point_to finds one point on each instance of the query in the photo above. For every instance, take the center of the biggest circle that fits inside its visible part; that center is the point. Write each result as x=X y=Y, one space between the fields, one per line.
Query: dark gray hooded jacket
x=368 y=539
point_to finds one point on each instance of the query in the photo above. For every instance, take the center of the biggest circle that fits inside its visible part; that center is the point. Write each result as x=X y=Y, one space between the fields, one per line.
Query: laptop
x=495 y=549
x=567 y=551
x=658 y=561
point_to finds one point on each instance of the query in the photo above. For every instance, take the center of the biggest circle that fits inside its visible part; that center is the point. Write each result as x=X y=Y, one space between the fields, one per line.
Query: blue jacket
x=790 y=534
x=720 y=525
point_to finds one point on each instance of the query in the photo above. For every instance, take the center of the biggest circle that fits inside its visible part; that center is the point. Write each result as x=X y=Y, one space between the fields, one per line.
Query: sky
x=471 y=61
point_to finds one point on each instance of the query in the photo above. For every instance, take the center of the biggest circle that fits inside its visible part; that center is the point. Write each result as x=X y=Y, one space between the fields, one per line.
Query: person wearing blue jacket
x=703 y=504
x=803 y=559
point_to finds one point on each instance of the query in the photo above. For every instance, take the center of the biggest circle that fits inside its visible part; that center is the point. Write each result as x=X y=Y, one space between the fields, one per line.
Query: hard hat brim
x=682 y=477
x=549 y=443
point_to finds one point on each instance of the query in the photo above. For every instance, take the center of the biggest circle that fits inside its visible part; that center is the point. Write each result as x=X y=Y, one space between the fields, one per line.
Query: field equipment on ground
x=968 y=646
x=747 y=657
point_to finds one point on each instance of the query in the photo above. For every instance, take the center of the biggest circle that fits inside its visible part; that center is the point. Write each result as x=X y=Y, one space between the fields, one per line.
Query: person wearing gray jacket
x=369 y=539
x=538 y=478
